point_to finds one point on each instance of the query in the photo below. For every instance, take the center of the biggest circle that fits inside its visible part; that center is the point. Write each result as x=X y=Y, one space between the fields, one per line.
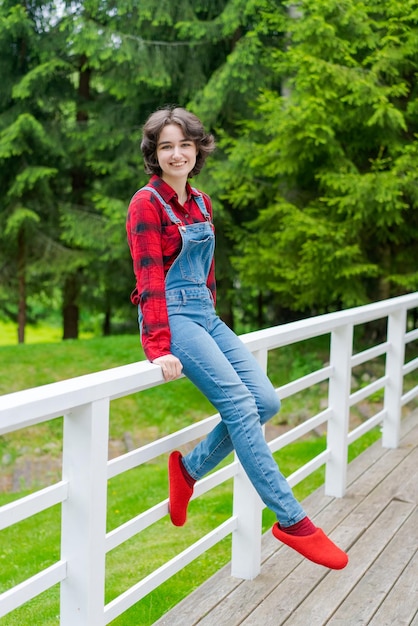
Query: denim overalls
x=219 y=364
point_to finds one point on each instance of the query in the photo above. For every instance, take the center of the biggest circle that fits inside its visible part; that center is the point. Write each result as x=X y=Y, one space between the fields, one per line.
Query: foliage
x=314 y=110
x=31 y=155
x=325 y=167
x=92 y=73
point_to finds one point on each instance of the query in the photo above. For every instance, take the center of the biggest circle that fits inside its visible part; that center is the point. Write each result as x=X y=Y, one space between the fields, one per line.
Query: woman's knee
x=270 y=407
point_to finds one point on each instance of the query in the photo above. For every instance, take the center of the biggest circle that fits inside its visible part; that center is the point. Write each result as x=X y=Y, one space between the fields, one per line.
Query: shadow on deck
x=376 y=522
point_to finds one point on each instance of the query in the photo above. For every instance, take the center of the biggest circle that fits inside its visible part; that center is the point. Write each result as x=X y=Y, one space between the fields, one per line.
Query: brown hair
x=192 y=128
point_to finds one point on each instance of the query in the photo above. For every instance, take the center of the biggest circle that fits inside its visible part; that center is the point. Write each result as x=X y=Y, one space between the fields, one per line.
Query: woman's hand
x=170 y=365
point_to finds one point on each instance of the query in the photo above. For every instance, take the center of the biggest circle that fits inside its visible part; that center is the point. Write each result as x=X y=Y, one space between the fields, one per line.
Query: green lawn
x=34 y=544
x=34 y=333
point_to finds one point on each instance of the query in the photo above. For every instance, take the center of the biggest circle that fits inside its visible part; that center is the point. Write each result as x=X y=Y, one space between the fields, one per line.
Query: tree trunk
x=79 y=185
x=21 y=277
x=260 y=309
x=70 y=311
x=224 y=305
x=107 y=323
x=79 y=174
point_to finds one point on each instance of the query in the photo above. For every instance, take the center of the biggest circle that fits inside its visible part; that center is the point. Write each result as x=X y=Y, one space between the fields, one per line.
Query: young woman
x=171 y=239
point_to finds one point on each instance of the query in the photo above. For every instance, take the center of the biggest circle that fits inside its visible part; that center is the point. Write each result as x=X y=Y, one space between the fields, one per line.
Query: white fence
x=84 y=403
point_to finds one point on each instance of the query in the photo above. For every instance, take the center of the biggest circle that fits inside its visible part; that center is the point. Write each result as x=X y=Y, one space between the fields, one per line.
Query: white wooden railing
x=84 y=403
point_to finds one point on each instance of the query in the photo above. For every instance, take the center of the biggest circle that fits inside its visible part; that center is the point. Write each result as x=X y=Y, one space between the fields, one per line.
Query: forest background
x=314 y=181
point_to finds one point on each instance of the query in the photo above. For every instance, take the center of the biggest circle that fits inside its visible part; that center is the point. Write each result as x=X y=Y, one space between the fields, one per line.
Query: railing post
x=395 y=359
x=248 y=508
x=339 y=402
x=84 y=514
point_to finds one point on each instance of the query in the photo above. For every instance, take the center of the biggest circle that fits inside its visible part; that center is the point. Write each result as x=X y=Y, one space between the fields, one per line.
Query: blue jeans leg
x=217 y=445
x=218 y=363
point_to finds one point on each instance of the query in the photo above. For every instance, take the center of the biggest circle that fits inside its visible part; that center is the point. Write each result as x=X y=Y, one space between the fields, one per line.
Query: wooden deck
x=376 y=522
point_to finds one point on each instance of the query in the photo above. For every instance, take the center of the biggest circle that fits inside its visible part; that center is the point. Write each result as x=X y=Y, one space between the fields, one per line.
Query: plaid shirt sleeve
x=154 y=243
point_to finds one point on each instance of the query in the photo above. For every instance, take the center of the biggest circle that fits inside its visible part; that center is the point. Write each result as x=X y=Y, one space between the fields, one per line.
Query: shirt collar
x=164 y=189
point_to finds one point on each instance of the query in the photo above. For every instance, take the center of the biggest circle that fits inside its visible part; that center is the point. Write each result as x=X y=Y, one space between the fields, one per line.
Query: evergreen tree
x=127 y=60
x=30 y=154
x=94 y=73
x=251 y=31
x=327 y=164
x=313 y=180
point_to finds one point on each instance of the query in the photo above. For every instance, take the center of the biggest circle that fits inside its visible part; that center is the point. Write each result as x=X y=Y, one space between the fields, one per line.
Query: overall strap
x=201 y=204
x=166 y=206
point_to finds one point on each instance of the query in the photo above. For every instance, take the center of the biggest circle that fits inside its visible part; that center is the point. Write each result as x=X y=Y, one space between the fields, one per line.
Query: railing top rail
x=26 y=407
x=30 y=406
x=278 y=336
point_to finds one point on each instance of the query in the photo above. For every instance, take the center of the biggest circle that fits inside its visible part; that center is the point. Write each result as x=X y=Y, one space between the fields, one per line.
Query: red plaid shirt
x=155 y=242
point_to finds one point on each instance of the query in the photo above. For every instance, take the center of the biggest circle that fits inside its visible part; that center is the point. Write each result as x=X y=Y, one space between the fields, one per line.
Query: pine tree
x=326 y=165
x=30 y=154
x=127 y=60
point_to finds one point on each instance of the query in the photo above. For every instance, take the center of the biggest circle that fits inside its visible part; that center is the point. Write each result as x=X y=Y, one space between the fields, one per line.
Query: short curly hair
x=192 y=128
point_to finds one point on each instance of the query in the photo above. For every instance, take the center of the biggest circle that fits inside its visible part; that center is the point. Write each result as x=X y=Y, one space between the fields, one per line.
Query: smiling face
x=175 y=153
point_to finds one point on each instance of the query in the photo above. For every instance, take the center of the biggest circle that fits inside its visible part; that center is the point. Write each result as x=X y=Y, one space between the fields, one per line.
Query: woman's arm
x=144 y=231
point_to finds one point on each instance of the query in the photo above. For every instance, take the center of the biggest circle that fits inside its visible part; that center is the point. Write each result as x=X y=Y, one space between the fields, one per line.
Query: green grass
x=34 y=333
x=33 y=544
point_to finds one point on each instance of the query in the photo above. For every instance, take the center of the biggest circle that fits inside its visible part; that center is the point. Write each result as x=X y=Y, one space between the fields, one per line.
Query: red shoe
x=180 y=491
x=316 y=547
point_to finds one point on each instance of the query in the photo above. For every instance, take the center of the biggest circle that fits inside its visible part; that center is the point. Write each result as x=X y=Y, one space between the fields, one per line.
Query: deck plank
x=395 y=610
x=327 y=597
x=376 y=521
x=373 y=590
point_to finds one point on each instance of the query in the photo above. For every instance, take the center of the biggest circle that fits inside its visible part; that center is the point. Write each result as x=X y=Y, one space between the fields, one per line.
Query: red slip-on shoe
x=180 y=491
x=316 y=547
